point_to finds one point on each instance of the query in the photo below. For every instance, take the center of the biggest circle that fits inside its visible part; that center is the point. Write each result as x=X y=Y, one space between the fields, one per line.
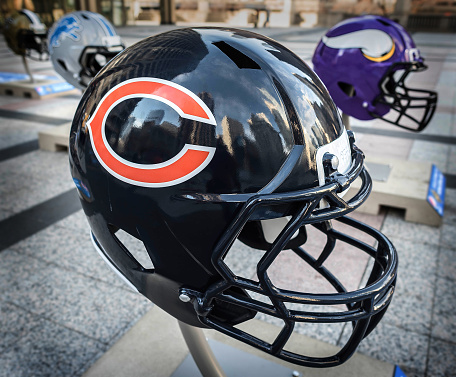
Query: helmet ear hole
x=348 y=89
x=62 y=64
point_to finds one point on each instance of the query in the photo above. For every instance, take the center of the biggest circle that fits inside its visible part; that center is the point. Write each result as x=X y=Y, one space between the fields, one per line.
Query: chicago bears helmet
x=364 y=62
x=194 y=143
x=26 y=35
x=80 y=44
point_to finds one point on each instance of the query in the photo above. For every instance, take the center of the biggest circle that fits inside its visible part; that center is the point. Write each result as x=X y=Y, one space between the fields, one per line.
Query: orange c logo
x=187 y=163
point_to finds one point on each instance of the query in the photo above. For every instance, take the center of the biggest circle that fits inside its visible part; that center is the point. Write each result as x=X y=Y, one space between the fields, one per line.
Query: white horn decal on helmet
x=375 y=44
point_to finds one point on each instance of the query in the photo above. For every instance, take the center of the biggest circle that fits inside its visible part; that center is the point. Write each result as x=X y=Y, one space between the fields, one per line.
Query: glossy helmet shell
x=185 y=137
x=74 y=42
x=25 y=32
x=354 y=58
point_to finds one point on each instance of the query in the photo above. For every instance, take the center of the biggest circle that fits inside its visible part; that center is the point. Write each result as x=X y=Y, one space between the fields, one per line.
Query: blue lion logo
x=68 y=27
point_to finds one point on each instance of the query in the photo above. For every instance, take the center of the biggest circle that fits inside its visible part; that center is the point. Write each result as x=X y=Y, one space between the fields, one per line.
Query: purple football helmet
x=364 y=62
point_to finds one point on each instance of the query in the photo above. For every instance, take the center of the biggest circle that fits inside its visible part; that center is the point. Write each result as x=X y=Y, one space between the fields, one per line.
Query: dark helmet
x=25 y=35
x=364 y=62
x=194 y=139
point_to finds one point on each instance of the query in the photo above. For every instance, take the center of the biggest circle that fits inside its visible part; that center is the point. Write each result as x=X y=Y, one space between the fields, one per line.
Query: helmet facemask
x=292 y=308
x=410 y=108
x=279 y=152
x=94 y=58
x=34 y=44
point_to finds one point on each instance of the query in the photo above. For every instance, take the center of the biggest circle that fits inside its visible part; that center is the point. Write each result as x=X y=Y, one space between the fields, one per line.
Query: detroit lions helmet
x=80 y=44
x=26 y=35
x=205 y=156
x=364 y=62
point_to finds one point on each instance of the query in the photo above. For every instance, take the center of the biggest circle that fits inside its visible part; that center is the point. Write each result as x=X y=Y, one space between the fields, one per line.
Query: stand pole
x=346 y=121
x=27 y=69
x=200 y=351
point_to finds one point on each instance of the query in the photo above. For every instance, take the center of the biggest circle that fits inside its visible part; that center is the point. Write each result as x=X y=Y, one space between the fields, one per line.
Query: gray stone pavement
x=61 y=308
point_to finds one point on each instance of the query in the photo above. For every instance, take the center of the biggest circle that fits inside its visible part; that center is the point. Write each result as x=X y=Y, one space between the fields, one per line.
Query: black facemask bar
x=365 y=307
x=404 y=101
x=34 y=44
x=90 y=61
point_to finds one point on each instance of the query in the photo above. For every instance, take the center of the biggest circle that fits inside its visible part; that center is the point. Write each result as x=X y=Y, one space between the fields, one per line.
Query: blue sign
x=12 y=76
x=56 y=87
x=9 y=76
x=398 y=372
x=436 y=190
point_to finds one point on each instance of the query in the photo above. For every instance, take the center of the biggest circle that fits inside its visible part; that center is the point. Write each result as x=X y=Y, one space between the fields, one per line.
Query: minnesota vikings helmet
x=364 y=62
x=80 y=44
x=25 y=35
x=202 y=147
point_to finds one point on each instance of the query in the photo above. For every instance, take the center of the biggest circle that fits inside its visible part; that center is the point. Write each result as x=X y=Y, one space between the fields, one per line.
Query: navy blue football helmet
x=195 y=139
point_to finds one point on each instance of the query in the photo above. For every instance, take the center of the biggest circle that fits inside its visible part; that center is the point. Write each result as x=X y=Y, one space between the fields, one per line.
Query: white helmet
x=80 y=44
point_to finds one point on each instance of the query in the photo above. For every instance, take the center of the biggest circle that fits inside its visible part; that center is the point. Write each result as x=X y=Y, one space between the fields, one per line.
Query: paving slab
x=155 y=347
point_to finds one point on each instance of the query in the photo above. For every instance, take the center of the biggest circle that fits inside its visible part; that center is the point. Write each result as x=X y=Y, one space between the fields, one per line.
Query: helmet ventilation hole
x=386 y=23
x=238 y=58
x=62 y=64
x=348 y=89
x=135 y=247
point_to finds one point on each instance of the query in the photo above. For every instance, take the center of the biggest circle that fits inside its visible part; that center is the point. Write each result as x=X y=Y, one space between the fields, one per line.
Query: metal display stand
x=204 y=354
x=55 y=139
x=201 y=351
x=33 y=87
x=154 y=346
x=378 y=172
x=398 y=184
x=346 y=121
x=27 y=69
